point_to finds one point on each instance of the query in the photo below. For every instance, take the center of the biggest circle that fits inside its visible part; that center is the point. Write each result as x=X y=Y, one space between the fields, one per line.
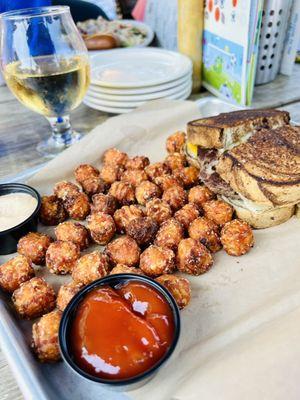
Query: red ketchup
x=121 y=332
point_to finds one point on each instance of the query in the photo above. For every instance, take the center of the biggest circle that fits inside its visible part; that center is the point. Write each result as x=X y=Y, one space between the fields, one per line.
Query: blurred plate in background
x=121 y=108
x=136 y=68
x=143 y=90
x=124 y=79
x=139 y=97
x=181 y=94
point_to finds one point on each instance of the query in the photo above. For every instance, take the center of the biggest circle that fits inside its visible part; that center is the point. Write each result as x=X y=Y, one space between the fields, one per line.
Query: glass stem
x=62 y=132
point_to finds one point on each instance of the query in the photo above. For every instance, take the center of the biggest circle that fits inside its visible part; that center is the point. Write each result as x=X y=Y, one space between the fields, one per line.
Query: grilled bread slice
x=229 y=129
x=265 y=219
x=265 y=169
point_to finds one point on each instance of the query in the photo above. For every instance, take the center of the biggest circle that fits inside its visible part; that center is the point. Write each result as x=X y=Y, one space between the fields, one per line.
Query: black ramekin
x=70 y=311
x=10 y=237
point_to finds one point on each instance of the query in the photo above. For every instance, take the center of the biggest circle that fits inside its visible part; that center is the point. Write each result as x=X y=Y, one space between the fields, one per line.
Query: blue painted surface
x=7 y=5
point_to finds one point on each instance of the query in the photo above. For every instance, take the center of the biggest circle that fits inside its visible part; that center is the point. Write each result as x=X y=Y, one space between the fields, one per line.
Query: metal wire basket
x=273 y=29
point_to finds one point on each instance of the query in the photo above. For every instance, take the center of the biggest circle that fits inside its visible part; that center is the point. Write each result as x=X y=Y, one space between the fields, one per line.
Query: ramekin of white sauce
x=15 y=208
x=19 y=209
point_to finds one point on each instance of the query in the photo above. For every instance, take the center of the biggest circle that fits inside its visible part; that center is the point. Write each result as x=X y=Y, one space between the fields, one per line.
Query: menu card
x=230 y=46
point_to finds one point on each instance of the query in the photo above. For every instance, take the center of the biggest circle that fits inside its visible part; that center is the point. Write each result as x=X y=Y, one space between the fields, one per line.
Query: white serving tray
x=57 y=382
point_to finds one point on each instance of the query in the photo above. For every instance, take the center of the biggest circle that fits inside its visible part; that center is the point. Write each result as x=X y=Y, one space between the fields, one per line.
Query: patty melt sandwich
x=251 y=159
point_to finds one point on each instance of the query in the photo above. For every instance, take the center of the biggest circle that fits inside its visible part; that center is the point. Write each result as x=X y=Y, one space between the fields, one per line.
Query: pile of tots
x=153 y=219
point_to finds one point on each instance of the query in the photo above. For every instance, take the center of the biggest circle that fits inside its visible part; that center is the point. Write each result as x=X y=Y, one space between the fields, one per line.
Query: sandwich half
x=254 y=164
x=228 y=129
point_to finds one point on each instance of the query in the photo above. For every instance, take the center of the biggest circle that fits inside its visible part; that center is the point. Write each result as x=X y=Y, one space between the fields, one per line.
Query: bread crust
x=267 y=218
x=265 y=169
x=216 y=132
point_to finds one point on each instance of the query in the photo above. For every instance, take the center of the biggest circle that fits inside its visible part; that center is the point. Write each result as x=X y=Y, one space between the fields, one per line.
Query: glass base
x=62 y=137
x=51 y=147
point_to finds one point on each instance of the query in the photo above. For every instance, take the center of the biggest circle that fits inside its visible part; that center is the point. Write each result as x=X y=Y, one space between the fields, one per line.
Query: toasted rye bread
x=265 y=169
x=265 y=219
x=297 y=212
x=227 y=129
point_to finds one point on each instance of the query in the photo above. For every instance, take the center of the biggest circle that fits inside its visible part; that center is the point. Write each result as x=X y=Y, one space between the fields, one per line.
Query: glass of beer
x=46 y=66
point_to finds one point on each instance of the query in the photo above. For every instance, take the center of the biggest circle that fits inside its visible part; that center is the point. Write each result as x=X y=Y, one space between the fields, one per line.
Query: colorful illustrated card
x=229 y=48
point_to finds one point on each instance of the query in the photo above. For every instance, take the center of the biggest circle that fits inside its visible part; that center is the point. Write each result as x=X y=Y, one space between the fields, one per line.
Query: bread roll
x=100 y=41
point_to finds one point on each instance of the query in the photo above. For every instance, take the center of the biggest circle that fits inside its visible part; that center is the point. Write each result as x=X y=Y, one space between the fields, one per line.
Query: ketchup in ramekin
x=119 y=329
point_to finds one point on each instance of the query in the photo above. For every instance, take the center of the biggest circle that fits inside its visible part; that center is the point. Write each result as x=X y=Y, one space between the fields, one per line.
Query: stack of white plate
x=124 y=79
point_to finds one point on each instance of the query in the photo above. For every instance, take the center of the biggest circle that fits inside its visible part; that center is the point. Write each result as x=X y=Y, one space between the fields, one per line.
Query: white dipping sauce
x=15 y=208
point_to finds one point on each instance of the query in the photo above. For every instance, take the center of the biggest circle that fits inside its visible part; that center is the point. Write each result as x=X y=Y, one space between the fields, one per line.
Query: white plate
x=129 y=104
x=139 y=97
x=95 y=104
x=148 y=39
x=131 y=68
x=112 y=110
x=143 y=90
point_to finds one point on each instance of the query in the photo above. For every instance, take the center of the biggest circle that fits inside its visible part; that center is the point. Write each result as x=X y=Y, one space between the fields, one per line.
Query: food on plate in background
x=101 y=34
x=101 y=41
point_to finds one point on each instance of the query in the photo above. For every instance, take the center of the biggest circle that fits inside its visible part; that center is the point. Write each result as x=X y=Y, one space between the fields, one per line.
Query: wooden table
x=21 y=130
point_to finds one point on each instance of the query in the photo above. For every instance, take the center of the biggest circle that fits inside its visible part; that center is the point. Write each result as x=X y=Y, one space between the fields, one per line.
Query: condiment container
x=69 y=315
x=9 y=238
